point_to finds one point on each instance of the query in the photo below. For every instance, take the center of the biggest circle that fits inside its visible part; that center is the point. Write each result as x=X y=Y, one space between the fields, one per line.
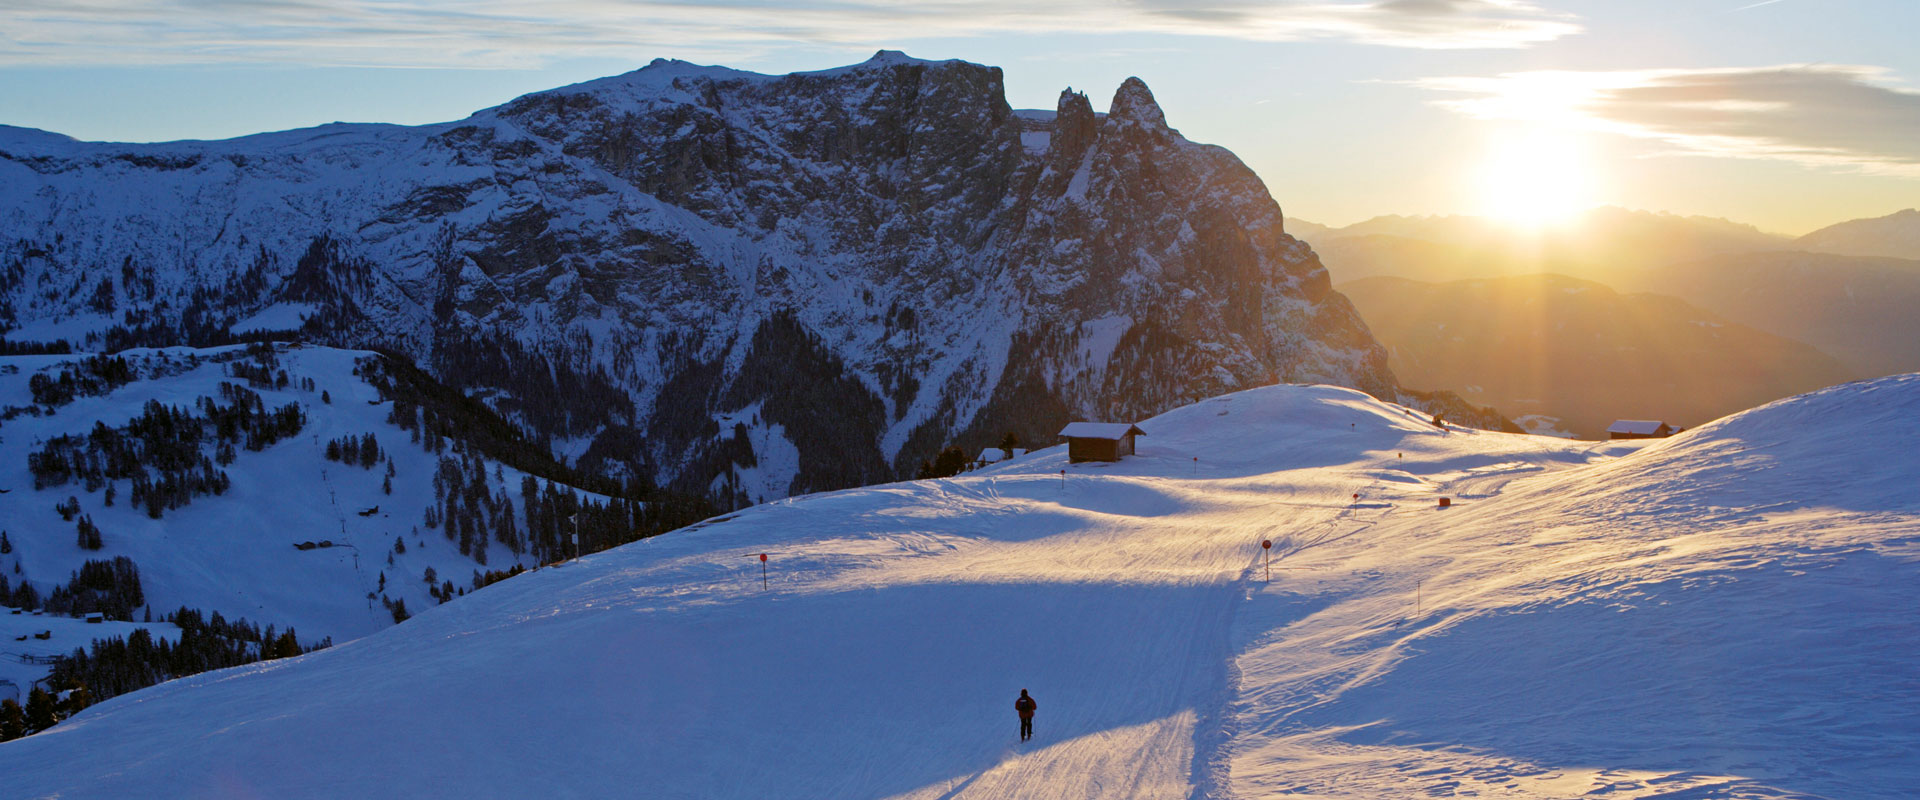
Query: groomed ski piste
x=1730 y=613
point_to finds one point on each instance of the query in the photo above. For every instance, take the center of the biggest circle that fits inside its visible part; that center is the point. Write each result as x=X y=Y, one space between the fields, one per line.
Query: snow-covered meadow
x=1725 y=614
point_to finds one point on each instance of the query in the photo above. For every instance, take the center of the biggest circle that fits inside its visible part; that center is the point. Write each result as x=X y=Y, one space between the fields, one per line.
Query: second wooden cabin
x=1100 y=441
x=1640 y=429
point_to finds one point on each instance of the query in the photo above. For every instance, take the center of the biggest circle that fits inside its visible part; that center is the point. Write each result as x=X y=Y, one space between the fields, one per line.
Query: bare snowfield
x=1726 y=614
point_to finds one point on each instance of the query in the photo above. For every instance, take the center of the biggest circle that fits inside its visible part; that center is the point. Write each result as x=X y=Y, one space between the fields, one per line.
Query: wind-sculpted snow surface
x=1634 y=620
x=879 y=259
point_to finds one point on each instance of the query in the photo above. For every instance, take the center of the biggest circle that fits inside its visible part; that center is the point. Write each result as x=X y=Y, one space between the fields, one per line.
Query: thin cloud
x=503 y=33
x=1844 y=116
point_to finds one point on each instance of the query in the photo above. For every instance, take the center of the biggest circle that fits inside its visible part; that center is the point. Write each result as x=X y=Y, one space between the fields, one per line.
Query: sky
x=1784 y=114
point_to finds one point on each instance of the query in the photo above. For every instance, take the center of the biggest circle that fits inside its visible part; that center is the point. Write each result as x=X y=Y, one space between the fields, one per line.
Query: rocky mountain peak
x=1133 y=103
x=736 y=284
x=1073 y=105
x=1074 y=125
x=889 y=57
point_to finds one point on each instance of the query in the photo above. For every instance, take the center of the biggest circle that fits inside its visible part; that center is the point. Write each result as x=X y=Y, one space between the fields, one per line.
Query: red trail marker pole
x=1266 y=546
x=763 y=572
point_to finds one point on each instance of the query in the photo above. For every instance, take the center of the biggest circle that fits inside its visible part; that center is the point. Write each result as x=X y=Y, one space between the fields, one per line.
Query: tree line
x=116 y=665
x=109 y=587
x=164 y=452
x=89 y=377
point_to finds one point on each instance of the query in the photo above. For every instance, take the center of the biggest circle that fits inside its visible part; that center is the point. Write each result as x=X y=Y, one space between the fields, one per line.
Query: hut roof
x=1101 y=430
x=1641 y=426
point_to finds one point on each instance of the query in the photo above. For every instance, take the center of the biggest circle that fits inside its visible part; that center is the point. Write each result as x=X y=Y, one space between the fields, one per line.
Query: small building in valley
x=995 y=455
x=1640 y=429
x=1100 y=441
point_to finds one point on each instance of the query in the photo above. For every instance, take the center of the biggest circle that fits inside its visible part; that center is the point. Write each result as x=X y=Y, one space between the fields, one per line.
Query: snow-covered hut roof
x=1640 y=426
x=1100 y=430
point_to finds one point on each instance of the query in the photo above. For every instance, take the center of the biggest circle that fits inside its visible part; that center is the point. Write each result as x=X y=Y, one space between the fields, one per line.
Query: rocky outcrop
x=740 y=283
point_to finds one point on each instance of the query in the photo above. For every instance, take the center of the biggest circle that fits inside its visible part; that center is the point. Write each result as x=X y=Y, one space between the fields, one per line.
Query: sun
x=1535 y=180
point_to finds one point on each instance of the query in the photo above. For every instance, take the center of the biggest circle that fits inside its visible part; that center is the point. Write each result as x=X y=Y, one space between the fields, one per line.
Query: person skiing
x=1025 y=706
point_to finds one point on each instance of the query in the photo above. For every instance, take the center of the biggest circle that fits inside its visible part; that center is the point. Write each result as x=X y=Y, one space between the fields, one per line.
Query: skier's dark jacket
x=1025 y=706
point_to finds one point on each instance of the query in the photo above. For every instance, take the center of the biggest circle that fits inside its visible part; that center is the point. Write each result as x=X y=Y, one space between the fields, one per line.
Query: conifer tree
x=89 y=534
x=40 y=711
x=13 y=720
x=77 y=701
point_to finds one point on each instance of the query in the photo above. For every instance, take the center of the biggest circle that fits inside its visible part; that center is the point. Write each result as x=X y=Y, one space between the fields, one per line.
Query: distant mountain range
x=1861 y=310
x=1566 y=355
x=1597 y=243
x=1848 y=289
x=1895 y=235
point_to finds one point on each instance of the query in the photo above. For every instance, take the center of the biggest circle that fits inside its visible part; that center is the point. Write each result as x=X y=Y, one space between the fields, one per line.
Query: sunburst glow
x=1535 y=180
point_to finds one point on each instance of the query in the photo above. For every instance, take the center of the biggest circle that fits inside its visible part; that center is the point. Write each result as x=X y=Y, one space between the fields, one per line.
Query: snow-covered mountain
x=743 y=284
x=1724 y=614
x=1895 y=235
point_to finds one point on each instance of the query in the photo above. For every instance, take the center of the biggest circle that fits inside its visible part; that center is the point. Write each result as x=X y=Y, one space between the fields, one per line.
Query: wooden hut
x=995 y=455
x=1640 y=429
x=1100 y=441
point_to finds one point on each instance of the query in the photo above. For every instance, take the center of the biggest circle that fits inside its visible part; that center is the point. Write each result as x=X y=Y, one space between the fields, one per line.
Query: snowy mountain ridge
x=1722 y=614
x=883 y=258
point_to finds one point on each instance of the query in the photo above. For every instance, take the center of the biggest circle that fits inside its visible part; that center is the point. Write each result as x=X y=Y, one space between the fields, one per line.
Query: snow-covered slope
x=24 y=656
x=882 y=259
x=1725 y=614
x=235 y=552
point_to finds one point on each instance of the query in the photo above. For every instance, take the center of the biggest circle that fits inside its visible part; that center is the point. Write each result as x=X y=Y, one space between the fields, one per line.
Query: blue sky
x=1788 y=114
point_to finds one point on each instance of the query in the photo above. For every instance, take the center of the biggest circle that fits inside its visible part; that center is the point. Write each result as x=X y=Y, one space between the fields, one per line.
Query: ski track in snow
x=1727 y=614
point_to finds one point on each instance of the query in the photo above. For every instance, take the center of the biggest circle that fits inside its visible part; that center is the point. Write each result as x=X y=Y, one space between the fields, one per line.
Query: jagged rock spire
x=1074 y=128
x=1133 y=103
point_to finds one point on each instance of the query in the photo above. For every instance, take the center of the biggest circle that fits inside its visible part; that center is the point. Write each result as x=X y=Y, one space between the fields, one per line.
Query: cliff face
x=749 y=284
